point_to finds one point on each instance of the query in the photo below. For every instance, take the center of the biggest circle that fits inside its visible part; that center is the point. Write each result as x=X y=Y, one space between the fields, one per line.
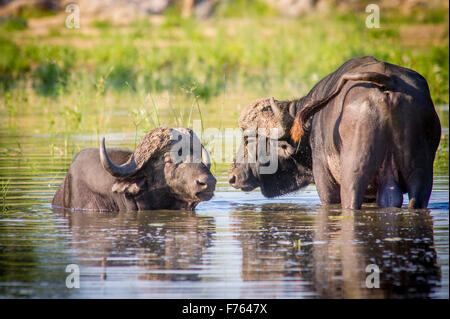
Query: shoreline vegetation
x=170 y=70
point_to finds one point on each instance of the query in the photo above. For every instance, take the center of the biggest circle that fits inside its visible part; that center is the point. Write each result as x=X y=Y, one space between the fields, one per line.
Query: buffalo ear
x=292 y=109
x=131 y=187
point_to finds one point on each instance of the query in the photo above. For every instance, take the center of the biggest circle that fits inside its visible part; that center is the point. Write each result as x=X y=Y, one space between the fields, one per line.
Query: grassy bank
x=168 y=70
x=275 y=54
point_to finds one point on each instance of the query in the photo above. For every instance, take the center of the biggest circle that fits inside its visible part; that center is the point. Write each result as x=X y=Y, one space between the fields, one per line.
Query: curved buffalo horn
x=278 y=115
x=207 y=158
x=127 y=169
x=275 y=108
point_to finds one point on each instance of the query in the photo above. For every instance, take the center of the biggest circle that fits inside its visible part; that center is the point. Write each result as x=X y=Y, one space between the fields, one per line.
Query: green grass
x=179 y=70
x=258 y=54
x=13 y=24
x=243 y=8
x=4 y=188
x=101 y=24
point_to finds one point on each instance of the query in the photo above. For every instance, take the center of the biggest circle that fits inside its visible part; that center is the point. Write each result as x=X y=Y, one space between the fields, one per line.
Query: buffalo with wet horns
x=165 y=171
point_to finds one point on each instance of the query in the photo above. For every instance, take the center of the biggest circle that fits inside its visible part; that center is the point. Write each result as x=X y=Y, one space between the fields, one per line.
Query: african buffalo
x=164 y=172
x=366 y=132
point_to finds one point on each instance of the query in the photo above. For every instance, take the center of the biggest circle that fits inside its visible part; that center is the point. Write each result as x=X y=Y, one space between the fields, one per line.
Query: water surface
x=238 y=245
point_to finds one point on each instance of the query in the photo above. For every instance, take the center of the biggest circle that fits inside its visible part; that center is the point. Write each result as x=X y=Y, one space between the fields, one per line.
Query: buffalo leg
x=327 y=187
x=354 y=181
x=419 y=187
x=389 y=193
x=362 y=153
x=363 y=133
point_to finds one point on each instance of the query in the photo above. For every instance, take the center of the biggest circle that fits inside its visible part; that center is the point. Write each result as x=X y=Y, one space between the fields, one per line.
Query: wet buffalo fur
x=294 y=171
x=157 y=183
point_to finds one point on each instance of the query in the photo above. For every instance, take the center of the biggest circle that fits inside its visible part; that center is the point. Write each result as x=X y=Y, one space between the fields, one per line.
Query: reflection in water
x=238 y=245
x=272 y=244
x=162 y=244
x=328 y=251
x=245 y=250
x=338 y=257
x=402 y=245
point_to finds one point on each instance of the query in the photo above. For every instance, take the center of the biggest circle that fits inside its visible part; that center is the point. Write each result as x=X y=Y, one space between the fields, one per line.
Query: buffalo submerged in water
x=164 y=172
x=368 y=131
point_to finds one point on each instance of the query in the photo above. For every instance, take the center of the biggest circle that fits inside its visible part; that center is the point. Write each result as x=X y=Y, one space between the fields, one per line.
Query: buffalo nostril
x=207 y=182
x=211 y=181
x=232 y=180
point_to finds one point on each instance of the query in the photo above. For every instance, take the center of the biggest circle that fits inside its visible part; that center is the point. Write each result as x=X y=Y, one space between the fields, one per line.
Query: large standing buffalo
x=164 y=172
x=366 y=132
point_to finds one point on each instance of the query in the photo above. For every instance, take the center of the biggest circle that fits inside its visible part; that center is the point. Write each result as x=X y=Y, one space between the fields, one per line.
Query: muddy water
x=238 y=245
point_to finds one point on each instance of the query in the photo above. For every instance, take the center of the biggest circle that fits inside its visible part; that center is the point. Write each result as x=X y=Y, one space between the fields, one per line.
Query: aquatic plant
x=4 y=188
